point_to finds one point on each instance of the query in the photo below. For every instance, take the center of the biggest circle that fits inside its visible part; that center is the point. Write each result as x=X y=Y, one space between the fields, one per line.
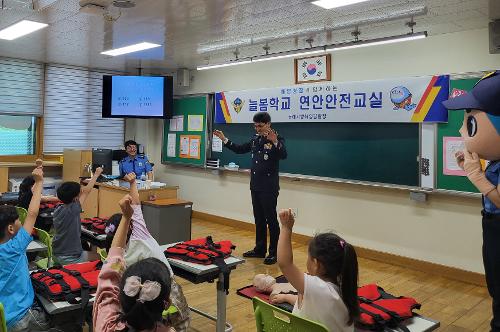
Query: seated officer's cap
x=484 y=96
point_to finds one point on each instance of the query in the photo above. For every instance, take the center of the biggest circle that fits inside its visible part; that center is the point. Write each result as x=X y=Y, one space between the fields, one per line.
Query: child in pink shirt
x=133 y=297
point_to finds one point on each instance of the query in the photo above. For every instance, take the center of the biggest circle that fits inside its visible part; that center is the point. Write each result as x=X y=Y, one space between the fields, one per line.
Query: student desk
x=59 y=307
x=197 y=273
x=109 y=195
x=65 y=312
x=95 y=239
x=36 y=246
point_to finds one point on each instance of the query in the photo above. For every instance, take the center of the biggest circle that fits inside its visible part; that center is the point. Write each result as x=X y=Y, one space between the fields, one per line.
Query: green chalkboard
x=376 y=152
x=450 y=129
x=186 y=106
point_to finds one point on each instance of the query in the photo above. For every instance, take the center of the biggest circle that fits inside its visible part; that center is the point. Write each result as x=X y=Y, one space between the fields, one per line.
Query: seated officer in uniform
x=133 y=163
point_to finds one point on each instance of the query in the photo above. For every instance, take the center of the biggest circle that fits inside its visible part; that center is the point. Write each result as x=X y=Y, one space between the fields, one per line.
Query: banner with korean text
x=414 y=99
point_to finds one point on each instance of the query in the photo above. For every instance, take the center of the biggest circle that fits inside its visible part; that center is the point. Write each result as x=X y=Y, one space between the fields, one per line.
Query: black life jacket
x=380 y=309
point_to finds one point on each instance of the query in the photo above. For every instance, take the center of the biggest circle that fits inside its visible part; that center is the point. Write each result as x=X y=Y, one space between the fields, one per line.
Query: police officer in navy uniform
x=267 y=149
x=133 y=163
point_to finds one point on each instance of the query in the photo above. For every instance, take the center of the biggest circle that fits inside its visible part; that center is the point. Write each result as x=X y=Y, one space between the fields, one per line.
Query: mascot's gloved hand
x=472 y=167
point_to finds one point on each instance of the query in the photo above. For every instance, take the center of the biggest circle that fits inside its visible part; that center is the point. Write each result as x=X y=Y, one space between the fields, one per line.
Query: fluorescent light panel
x=234 y=63
x=329 y=4
x=278 y=56
x=130 y=49
x=381 y=41
x=20 y=29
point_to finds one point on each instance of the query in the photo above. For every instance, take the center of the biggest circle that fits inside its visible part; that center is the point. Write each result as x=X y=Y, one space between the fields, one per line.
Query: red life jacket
x=51 y=205
x=204 y=251
x=96 y=225
x=380 y=309
x=65 y=283
x=201 y=251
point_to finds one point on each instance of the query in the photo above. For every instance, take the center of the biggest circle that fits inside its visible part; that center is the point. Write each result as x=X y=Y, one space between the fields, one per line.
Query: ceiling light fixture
x=329 y=4
x=320 y=49
x=233 y=63
x=378 y=41
x=278 y=56
x=130 y=49
x=20 y=29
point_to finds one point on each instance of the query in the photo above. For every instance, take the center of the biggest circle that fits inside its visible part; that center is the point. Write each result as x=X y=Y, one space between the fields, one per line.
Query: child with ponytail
x=328 y=292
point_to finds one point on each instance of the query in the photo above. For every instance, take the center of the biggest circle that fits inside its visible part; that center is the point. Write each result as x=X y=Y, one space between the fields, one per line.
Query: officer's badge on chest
x=268 y=146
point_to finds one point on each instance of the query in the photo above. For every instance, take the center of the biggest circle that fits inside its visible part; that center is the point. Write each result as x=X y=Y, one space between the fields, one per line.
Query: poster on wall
x=451 y=146
x=190 y=146
x=184 y=146
x=177 y=123
x=413 y=99
x=195 y=122
x=194 y=147
x=171 y=144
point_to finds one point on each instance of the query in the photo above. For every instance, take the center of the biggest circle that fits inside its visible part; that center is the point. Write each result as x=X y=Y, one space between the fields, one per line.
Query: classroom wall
x=444 y=230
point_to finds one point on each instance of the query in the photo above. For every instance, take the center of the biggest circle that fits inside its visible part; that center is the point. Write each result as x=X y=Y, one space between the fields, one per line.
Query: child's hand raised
x=126 y=207
x=98 y=170
x=37 y=174
x=130 y=177
x=286 y=218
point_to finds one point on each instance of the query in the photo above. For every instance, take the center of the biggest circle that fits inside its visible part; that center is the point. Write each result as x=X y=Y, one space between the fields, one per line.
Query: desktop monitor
x=119 y=154
x=102 y=158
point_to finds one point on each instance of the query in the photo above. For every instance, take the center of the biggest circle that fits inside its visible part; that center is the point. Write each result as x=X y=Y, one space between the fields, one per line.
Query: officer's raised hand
x=219 y=134
x=272 y=136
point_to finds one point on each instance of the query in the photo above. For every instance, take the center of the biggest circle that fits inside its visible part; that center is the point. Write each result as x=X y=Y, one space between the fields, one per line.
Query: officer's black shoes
x=270 y=260
x=253 y=254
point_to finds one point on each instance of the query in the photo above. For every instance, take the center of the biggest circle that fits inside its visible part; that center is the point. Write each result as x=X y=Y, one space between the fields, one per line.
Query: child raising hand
x=328 y=292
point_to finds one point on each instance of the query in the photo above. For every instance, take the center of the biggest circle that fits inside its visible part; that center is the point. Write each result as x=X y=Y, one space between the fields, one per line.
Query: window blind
x=72 y=111
x=21 y=85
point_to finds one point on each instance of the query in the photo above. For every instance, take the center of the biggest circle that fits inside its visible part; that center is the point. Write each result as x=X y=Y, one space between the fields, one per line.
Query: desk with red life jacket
x=197 y=273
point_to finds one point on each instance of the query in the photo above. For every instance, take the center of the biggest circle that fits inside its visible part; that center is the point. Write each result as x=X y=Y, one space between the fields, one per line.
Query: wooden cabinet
x=90 y=207
x=22 y=169
x=75 y=162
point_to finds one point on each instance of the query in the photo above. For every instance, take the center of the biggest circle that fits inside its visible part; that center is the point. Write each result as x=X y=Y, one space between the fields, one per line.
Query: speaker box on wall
x=183 y=77
x=494 y=36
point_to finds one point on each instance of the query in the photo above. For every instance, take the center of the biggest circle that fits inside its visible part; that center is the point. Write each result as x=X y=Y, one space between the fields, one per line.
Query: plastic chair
x=272 y=319
x=170 y=311
x=22 y=214
x=45 y=238
x=102 y=254
x=3 y=322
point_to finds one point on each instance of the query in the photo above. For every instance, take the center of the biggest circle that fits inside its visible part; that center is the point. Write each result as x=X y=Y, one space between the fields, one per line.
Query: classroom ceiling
x=195 y=32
